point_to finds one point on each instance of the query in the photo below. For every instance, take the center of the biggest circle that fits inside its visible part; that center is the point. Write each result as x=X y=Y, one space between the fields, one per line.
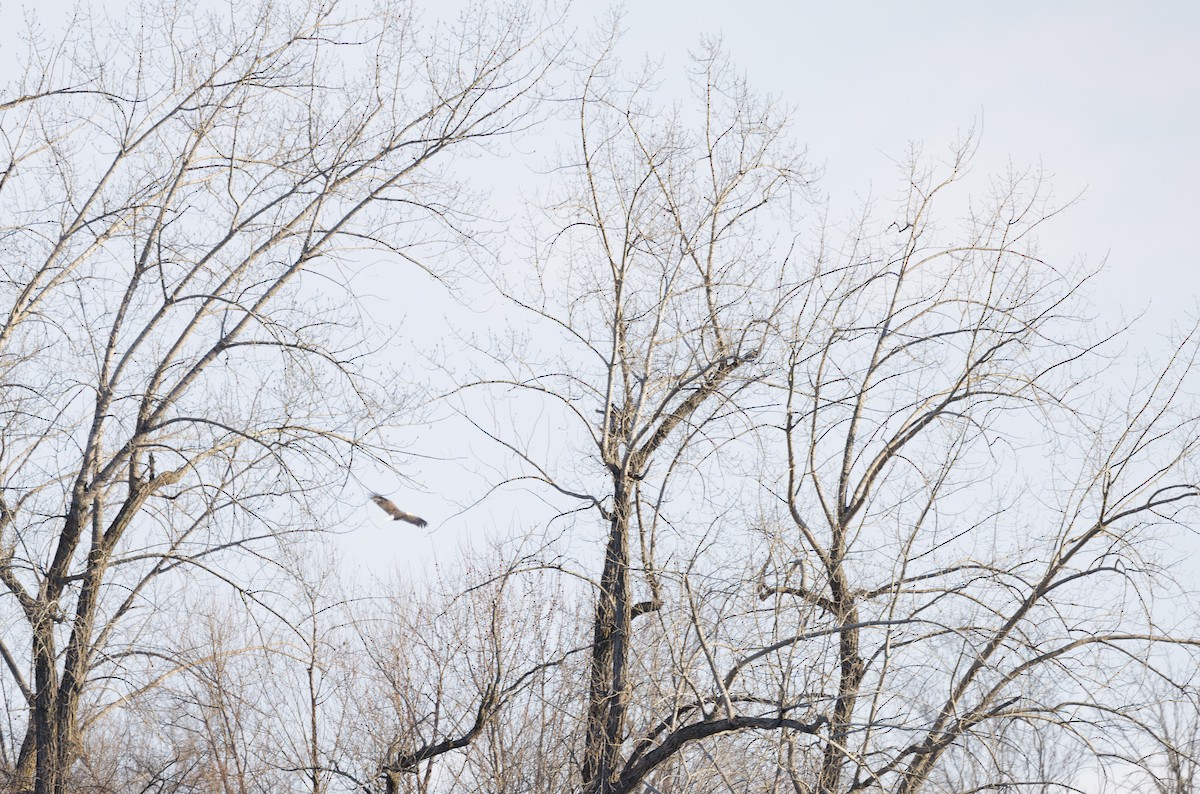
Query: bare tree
x=454 y=682
x=866 y=512
x=460 y=684
x=662 y=290
x=1158 y=749
x=849 y=511
x=966 y=517
x=181 y=356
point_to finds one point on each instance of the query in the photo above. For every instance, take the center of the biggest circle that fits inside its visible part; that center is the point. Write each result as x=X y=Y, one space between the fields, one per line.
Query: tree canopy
x=807 y=501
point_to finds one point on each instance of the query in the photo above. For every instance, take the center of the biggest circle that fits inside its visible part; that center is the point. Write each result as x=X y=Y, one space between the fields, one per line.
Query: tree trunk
x=608 y=689
x=49 y=739
x=850 y=676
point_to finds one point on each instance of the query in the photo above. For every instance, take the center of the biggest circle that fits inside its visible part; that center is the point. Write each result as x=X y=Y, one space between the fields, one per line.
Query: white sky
x=1105 y=97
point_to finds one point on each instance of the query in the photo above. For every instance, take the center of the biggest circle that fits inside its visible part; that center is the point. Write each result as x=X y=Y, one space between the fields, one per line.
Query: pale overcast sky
x=1104 y=95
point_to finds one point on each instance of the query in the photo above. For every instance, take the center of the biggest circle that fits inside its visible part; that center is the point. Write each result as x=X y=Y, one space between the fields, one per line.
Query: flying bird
x=396 y=513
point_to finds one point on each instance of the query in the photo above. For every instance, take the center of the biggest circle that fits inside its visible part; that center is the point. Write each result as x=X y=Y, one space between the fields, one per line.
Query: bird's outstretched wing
x=396 y=513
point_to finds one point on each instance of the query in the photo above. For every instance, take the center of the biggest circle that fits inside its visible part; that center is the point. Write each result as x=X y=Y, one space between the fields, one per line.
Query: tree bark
x=608 y=689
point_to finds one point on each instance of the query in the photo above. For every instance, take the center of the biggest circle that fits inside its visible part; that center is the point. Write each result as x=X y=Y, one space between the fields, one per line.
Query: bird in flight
x=389 y=507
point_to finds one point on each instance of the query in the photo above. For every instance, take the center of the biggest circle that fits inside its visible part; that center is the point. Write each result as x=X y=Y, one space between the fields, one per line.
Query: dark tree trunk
x=608 y=689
